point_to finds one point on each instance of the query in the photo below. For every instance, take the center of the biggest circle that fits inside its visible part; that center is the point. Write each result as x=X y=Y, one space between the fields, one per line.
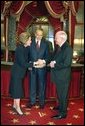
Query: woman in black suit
x=18 y=71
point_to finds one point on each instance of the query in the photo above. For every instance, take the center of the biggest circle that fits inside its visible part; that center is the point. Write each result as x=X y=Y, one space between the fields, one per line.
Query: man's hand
x=52 y=64
x=39 y=63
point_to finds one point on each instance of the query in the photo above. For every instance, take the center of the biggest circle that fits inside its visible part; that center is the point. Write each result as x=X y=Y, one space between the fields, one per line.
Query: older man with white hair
x=61 y=72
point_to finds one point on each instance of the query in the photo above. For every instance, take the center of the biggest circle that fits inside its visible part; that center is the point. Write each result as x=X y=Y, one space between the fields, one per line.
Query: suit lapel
x=41 y=44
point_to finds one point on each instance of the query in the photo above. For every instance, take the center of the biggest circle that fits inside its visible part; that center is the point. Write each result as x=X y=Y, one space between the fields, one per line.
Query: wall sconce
x=75 y=57
x=3 y=39
x=75 y=53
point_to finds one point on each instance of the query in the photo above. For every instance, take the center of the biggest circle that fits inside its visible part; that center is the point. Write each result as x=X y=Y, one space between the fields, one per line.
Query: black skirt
x=16 y=87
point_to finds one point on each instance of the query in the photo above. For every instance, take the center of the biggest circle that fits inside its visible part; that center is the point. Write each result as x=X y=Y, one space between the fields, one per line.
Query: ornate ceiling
x=53 y=8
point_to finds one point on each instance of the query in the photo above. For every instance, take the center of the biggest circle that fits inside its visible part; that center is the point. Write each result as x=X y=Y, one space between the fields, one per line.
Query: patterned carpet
x=36 y=116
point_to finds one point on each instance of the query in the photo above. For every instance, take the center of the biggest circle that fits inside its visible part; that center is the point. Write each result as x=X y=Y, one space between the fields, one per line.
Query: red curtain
x=25 y=20
x=72 y=23
x=57 y=9
x=57 y=25
x=16 y=6
x=30 y=12
x=54 y=8
x=33 y=10
x=72 y=20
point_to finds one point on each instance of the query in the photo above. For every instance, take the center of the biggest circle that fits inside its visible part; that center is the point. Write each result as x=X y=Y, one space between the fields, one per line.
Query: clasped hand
x=52 y=64
x=39 y=63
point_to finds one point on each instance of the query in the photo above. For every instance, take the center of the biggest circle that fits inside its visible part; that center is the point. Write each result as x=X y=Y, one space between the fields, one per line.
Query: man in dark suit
x=38 y=55
x=61 y=72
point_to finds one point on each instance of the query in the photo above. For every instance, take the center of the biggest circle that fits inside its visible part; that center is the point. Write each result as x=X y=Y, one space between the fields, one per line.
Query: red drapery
x=24 y=22
x=57 y=25
x=72 y=23
x=35 y=9
x=16 y=6
x=55 y=8
x=58 y=9
x=72 y=20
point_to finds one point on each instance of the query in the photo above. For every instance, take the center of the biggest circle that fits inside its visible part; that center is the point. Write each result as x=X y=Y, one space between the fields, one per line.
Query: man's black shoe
x=56 y=108
x=30 y=105
x=41 y=107
x=58 y=116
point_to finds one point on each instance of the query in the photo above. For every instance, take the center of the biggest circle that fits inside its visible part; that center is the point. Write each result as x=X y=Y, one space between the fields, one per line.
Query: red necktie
x=37 y=45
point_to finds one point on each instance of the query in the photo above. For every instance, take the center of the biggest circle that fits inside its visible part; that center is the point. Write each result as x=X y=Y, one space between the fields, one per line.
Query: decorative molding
x=6 y=6
x=28 y=2
x=70 y=27
x=66 y=4
x=7 y=39
x=19 y=12
x=73 y=8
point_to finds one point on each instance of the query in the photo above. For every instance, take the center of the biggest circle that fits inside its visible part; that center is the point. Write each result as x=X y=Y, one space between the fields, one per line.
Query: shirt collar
x=61 y=44
x=37 y=40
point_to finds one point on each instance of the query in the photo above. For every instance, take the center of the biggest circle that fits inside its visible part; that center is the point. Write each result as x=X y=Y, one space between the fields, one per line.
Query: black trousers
x=62 y=92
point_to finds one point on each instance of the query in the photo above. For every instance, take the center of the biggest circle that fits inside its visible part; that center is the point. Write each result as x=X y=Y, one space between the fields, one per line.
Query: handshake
x=52 y=64
x=39 y=63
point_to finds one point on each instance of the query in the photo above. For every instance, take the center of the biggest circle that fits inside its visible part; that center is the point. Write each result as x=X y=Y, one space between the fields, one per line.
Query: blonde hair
x=24 y=36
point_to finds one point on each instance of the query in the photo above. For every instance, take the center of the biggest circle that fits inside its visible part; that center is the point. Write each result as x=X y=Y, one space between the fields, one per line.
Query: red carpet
x=36 y=116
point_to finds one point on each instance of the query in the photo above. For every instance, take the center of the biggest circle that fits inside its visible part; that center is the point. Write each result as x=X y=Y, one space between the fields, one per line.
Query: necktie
x=37 y=45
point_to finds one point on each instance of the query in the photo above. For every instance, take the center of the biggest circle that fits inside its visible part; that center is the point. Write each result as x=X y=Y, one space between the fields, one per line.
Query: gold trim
x=6 y=38
x=6 y=6
x=28 y=2
x=18 y=13
x=70 y=27
x=66 y=4
x=53 y=14
x=20 y=8
x=73 y=8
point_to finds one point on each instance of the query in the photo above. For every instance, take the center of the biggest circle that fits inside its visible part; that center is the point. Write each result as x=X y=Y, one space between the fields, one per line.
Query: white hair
x=62 y=34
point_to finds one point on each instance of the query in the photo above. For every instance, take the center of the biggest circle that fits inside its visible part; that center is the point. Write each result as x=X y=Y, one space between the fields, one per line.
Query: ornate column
x=6 y=12
x=17 y=24
x=12 y=33
x=6 y=38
